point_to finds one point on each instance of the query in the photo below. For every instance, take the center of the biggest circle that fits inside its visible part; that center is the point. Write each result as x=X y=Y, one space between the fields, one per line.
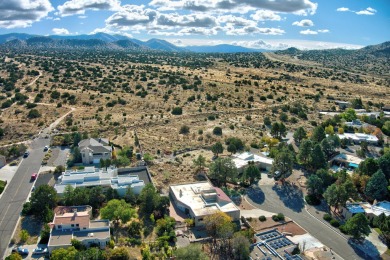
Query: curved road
x=289 y=201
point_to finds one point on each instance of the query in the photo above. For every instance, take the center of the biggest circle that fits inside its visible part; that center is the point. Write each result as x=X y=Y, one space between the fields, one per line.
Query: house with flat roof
x=197 y=200
x=352 y=209
x=377 y=209
x=74 y=223
x=91 y=177
x=357 y=138
x=346 y=161
x=94 y=149
x=242 y=160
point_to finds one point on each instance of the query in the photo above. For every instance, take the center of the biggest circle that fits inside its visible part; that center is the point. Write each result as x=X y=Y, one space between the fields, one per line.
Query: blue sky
x=269 y=24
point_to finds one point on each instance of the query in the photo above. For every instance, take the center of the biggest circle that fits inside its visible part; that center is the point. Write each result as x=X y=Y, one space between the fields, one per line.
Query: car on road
x=39 y=251
x=26 y=154
x=20 y=250
x=34 y=176
x=46 y=148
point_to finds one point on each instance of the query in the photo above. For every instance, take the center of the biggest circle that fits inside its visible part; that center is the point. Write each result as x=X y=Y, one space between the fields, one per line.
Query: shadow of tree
x=366 y=249
x=256 y=195
x=291 y=196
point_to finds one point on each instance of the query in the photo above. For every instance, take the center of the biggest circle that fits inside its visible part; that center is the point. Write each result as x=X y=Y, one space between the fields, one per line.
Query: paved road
x=11 y=203
x=291 y=204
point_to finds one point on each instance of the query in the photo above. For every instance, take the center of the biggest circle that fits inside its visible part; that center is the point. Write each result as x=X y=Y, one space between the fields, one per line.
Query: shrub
x=177 y=111
x=335 y=223
x=327 y=217
x=217 y=130
x=312 y=200
x=262 y=218
x=343 y=229
x=281 y=216
x=33 y=113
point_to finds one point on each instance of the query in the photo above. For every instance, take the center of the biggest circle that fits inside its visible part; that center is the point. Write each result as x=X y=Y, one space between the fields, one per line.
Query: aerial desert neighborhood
x=194 y=129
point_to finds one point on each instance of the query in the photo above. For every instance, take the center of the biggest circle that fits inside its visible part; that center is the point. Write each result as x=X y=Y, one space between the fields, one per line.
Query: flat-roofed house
x=74 y=223
x=242 y=160
x=94 y=149
x=200 y=199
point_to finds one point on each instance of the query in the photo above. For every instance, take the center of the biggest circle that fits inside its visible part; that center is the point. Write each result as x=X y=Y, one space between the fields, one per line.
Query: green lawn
x=378 y=231
x=2 y=186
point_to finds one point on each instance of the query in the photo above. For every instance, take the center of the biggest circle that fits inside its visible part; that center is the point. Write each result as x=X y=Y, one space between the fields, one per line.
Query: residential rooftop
x=242 y=159
x=203 y=198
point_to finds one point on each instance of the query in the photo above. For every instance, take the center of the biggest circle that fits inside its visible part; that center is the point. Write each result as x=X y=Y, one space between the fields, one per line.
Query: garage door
x=95 y=161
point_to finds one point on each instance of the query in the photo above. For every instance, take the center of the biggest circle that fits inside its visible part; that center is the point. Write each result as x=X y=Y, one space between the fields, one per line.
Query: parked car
x=40 y=251
x=46 y=148
x=26 y=154
x=20 y=250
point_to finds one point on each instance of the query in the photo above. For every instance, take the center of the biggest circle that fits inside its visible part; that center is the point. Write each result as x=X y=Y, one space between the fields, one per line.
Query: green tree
x=237 y=142
x=102 y=163
x=357 y=103
x=318 y=134
x=267 y=121
x=240 y=247
x=152 y=202
x=177 y=111
x=384 y=164
x=24 y=235
x=251 y=173
x=283 y=163
x=305 y=150
x=81 y=196
x=130 y=196
x=386 y=128
x=63 y=253
x=118 y=210
x=119 y=253
x=349 y=115
x=68 y=195
x=358 y=226
x=44 y=198
x=217 y=148
x=97 y=197
x=231 y=148
x=223 y=169
x=76 y=155
x=336 y=195
x=315 y=185
x=14 y=256
x=299 y=135
x=278 y=130
x=190 y=252
x=317 y=158
x=33 y=113
x=368 y=167
x=200 y=163
x=218 y=225
x=92 y=253
x=376 y=187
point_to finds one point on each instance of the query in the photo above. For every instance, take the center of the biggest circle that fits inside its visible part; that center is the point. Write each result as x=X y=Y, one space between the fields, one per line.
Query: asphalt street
x=17 y=191
x=290 y=202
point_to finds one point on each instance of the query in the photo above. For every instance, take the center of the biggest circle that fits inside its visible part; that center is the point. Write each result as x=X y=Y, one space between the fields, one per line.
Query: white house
x=74 y=223
x=359 y=137
x=200 y=199
x=242 y=160
x=94 y=149
x=91 y=176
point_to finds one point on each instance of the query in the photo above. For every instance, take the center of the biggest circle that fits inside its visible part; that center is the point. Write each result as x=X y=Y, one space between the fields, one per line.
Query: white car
x=39 y=251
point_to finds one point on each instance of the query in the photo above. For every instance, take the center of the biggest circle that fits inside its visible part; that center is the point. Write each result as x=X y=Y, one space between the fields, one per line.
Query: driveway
x=289 y=201
x=11 y=202
x=59 y=156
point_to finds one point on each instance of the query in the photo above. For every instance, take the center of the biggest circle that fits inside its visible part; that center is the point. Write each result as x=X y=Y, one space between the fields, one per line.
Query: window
x=72 y=225
x=59 y=226
x=201 y=219
x=77 y=225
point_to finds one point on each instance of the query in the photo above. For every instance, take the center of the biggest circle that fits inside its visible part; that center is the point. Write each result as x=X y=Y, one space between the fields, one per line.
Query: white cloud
x=83 y=16
x=323 y=31
x=237 y=6
x=367 y=11
x=342 y=9
x=264 y=15
x=235 y=20
x=23 y=13
x=304 y=23
x=60 y=31
x=308 y=32
x=254 y=30
x=73 y=7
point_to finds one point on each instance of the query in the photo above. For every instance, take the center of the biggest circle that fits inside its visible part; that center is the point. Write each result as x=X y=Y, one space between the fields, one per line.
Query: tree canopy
x=358 y=226
x=223 y=169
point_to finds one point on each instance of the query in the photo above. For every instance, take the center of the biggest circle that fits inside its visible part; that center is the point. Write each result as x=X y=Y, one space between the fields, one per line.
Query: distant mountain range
x=103 y=41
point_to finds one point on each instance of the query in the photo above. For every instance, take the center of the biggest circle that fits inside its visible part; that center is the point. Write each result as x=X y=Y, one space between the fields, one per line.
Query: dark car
x=26 y=154
x=20 y=250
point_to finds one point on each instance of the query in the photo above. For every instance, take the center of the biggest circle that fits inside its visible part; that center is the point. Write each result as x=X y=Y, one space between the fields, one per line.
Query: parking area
x=31 y=255
x=59 y=156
